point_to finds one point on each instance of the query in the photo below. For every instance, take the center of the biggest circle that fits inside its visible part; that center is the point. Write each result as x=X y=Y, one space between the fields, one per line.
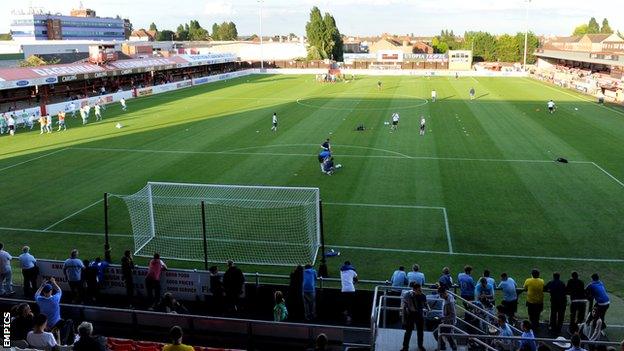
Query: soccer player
x=395 y=122
x=379 y=85
x=98 y=112
x=72 y=109
x=11 y=124
x=123 y=104
x=551 y=106
x=322 y=157
x=326 y=146
x=472 y=93
x=84 y=115
x=31 y=121
x=49 y=124
x=42 y=124
x=61 y=121
x=87 y=110
x=329 y=167
x=274 y=122
x=434 y=95
x=422 y=125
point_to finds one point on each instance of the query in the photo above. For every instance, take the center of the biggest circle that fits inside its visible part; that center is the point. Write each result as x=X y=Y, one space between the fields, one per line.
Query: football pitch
x=480 y=188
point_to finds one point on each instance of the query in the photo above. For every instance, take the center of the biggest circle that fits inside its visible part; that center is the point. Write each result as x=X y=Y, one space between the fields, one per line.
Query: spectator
x=309 y=292
x=41 y=339
x=504 y=330
x=414 y=306
x=558 y=302
x=576 y=289
x=175 y=335
x=152 y=280
x=449 y=317
x=348 y=278
x=575 y=340
x=534 y=287
x=6 y=282
x=88 y=342
x=597 y=292
x=416 y=276
x=466 y=284
x=169 y=304
x=72 y=269
x=592 y=328
x=48 y=298
x=483 y=290
x=510 y=296
x=445 y=280
x=100 y=267
x=399 y=278
x=89 y=277
x=528 y=338
x=294 y=299
x=234 y=284
x=23 y=321
x=30 y=271
x=127 y=272
x=216 y=289
x=320 y=343
x=280 y=312
x=491 y=282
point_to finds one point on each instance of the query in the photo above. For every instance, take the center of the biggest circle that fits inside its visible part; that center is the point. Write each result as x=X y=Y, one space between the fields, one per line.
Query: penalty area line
x=433 y=252
x=71 y=215
x=32 y=159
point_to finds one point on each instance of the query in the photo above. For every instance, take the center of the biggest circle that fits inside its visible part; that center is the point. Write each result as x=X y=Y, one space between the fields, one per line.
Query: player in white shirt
x=422 y=125
x=98 y=113
x=274 y=122
x=434 y=95
x=72 y=109
x=31 y=121
x=84 y=114
x=395 y=122
x=49 y=124
x=348 y=278
x=551 y=106
x=11 y=124
x=123 y=104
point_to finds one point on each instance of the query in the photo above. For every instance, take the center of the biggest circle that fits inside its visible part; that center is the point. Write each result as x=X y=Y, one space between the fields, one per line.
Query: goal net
x=248 y=224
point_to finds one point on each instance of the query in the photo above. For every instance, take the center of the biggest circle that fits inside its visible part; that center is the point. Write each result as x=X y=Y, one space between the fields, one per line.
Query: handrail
x=518 y=338
x=463 y=333
x=486 y=312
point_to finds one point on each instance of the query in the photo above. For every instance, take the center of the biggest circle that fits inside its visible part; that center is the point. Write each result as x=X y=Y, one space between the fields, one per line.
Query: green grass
x=485 y=162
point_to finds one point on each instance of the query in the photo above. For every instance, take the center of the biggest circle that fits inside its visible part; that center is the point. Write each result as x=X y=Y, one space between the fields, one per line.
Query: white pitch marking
x=73 y=214
x=608 y=174
x=32 y=159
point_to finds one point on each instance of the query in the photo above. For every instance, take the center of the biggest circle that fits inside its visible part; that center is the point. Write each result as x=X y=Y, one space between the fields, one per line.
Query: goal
x=214 y=223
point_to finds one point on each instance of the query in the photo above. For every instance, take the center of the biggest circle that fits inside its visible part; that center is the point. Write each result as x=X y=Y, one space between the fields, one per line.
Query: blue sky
x=362 y=17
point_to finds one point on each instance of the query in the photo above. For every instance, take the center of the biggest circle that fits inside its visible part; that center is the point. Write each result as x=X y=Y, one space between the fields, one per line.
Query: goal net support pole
x=107 y=248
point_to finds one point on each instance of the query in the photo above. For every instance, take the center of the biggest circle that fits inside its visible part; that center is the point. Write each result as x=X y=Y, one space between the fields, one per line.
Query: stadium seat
x=121 y=347
x=147 y=348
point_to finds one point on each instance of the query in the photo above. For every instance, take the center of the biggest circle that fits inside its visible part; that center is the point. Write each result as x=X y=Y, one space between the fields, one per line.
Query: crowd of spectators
x=597 y=84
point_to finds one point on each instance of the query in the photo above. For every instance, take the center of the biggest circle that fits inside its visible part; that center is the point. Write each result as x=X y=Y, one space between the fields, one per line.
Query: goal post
x=212 y=223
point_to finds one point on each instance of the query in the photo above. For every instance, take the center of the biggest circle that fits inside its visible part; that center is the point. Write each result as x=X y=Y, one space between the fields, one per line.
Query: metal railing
x=481 y=339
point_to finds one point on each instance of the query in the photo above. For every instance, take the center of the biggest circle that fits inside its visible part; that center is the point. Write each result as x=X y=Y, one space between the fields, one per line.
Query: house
x=143 y=35
x=594 y=42
x=405 y=46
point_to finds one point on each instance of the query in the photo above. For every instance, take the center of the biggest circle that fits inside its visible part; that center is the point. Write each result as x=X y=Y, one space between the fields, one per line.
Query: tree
x=581 y=30
x=620 y=34
x=34 y=61
x=532 y=46
x=182 y=33
x=153 y=27
x=315 y=29
x=593 y=27
x=165 y=35
x=6 y=36
x=483 y=45
x=507 y=49
x=215 y=32
x=332 y=38
x=606 y=28
x=227 y=31
x=196 y=32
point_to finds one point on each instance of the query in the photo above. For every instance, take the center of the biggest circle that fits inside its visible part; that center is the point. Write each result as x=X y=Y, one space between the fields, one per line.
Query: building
x=82 y=24
x=143 y=35
x=387 y=44
x=460 y=60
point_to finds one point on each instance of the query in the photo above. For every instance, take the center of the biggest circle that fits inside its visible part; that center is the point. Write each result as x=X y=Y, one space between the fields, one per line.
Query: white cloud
x=219 y=8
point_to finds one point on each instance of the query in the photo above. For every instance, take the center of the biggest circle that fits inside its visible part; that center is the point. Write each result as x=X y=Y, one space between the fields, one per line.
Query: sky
x=354 y=17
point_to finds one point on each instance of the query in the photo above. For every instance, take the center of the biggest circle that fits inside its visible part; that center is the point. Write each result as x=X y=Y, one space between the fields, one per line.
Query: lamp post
x=526 y=34
x=261 y=49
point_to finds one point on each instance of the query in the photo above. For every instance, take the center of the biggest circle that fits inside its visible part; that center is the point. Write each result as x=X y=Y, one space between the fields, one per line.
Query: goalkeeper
x=322 y=157
x=329 y=167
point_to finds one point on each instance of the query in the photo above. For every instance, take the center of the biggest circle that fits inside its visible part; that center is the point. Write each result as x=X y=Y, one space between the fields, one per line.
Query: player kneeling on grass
x=551 y=106
x=329 y=167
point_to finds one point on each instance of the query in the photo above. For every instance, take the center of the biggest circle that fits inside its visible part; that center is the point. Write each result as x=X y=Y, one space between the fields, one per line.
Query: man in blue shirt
x=597 y=292
x=416 y=276
x=399 y=278
x=510 y=296
x=322 y=156
x=28 y=263
x=528 y=338
x=466 y=284
x=72 y=268
x=48 y=298
x=309 y=292
x=446 y=281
